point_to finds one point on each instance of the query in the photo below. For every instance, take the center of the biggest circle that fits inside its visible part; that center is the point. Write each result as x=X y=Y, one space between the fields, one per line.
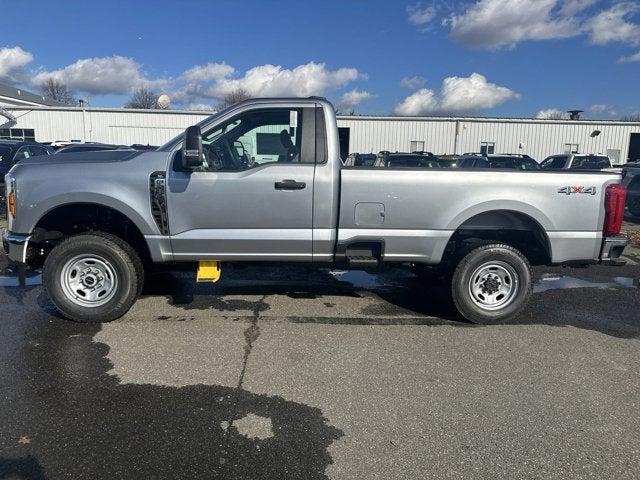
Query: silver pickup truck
x=263 y=181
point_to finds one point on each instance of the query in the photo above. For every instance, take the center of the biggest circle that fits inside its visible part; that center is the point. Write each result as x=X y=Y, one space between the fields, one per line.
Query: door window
x=255 y=138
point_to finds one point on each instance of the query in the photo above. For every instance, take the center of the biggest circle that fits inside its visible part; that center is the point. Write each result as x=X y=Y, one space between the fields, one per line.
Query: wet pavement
x=315 y=373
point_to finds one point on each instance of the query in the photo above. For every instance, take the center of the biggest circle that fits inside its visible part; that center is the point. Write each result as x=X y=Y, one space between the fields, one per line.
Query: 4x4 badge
x=572 y=190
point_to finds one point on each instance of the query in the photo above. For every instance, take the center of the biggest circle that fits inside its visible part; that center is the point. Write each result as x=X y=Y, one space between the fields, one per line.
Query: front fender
x=30 y=215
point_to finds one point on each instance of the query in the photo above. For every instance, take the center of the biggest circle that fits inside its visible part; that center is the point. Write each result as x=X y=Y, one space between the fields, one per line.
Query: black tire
x=633 y=204
x=120 y=257
x=507 y=260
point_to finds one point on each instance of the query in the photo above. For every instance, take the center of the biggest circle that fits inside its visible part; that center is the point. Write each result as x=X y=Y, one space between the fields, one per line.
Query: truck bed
x=414 y=212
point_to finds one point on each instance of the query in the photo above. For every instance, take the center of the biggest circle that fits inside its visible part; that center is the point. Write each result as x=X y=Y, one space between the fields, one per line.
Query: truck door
x=253 y=197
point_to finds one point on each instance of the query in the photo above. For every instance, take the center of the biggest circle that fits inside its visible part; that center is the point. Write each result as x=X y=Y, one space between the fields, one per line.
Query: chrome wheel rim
x=88 y=280
x=493 y=285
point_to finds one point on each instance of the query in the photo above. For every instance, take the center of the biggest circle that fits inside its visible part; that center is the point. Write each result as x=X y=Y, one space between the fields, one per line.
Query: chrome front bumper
x=612 y=248
x=15 y=246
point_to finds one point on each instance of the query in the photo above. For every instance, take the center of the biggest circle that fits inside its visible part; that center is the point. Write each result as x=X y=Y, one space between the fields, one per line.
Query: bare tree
x=56 y=90
x=143 y=98
x=236 y=96
x=634 y=117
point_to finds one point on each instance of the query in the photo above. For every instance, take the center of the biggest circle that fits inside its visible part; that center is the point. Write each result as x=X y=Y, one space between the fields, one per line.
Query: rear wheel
x=93 y=278
x=491 y=283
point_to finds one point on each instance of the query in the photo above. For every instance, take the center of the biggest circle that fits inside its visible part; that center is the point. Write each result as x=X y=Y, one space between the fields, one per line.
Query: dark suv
x=360 y=160
x=409 y=160
x=506 y=161
x=11 y=152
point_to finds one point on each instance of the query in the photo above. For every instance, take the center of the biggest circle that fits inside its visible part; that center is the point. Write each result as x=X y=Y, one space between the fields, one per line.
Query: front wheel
x=93 y=278
x=491 y=283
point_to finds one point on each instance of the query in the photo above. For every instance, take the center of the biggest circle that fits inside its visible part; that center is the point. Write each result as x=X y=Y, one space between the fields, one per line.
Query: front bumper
x=612 y=248
x=15 y=246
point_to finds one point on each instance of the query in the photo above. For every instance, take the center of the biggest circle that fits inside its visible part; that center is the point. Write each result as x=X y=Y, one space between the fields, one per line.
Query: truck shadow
x=393 y=293
x=398 y=297
x=65 y=416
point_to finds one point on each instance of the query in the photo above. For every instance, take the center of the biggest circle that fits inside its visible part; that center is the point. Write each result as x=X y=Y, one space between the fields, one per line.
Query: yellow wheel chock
x=208 y=271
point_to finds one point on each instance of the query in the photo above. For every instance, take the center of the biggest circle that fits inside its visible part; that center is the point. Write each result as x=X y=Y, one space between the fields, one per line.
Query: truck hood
x=82 y=157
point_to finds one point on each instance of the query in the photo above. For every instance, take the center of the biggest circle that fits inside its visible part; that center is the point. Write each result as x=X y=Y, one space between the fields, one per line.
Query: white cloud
x=504 y=23
x=208 y=72
x=215 y=80
x=573 y=7
x=353 y=98
x=457 y=95
x=201 y=106
x=412 y=82
x=275 y=81
x=603 y=108
x=613 y=25
x=422 y=102
x=552 y=114
x=13 y=61
x=630 y=58
x=101 y=75
x=421 y=16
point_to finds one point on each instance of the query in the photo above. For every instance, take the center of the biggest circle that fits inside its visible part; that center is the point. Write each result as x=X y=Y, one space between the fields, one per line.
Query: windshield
x=171 y=144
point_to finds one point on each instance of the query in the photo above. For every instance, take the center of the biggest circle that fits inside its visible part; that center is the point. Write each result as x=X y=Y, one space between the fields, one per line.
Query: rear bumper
x=612 y=248
x=15 y=246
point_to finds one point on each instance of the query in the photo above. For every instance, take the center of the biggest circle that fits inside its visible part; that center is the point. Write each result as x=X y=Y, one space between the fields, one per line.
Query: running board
x=364 y=263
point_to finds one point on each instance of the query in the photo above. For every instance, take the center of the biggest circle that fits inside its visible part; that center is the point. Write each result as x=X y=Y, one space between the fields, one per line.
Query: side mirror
x=192 y=148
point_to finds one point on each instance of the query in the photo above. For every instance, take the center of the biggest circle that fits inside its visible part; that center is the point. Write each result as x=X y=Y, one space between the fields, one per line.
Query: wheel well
x=506 y=226
x=75 y=218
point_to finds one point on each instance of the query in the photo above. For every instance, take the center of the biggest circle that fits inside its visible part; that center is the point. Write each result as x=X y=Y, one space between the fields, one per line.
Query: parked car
x=360 y=160
x=508 y=161
x=408 y=160
x=90 y=147
x=576 y=161
x=139 y=146
x=11 y=152
x=57 y=144
x=449 y=159
x=631 y=180
x=197 y=199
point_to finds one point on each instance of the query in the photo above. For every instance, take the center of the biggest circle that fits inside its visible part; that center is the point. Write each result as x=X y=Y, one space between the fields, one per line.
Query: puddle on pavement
x=12 y=281
x=357 y=278
x=564 y=282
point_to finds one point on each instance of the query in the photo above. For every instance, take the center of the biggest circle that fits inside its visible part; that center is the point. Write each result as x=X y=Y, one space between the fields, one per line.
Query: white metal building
x=537 y=138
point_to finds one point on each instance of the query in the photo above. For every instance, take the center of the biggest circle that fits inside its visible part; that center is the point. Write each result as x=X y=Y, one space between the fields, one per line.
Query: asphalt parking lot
x=315 y=373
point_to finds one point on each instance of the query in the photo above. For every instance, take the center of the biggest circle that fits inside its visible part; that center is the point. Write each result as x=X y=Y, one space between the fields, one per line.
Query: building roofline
x=340 y=117
x=19 y=94
x=66 y=108
x=484 y=119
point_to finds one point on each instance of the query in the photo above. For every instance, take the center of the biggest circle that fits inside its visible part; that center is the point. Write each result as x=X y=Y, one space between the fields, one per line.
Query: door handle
x=290 y=185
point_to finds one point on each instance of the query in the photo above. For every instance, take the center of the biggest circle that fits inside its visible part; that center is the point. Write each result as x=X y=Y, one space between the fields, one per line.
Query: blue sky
x=527 y=55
